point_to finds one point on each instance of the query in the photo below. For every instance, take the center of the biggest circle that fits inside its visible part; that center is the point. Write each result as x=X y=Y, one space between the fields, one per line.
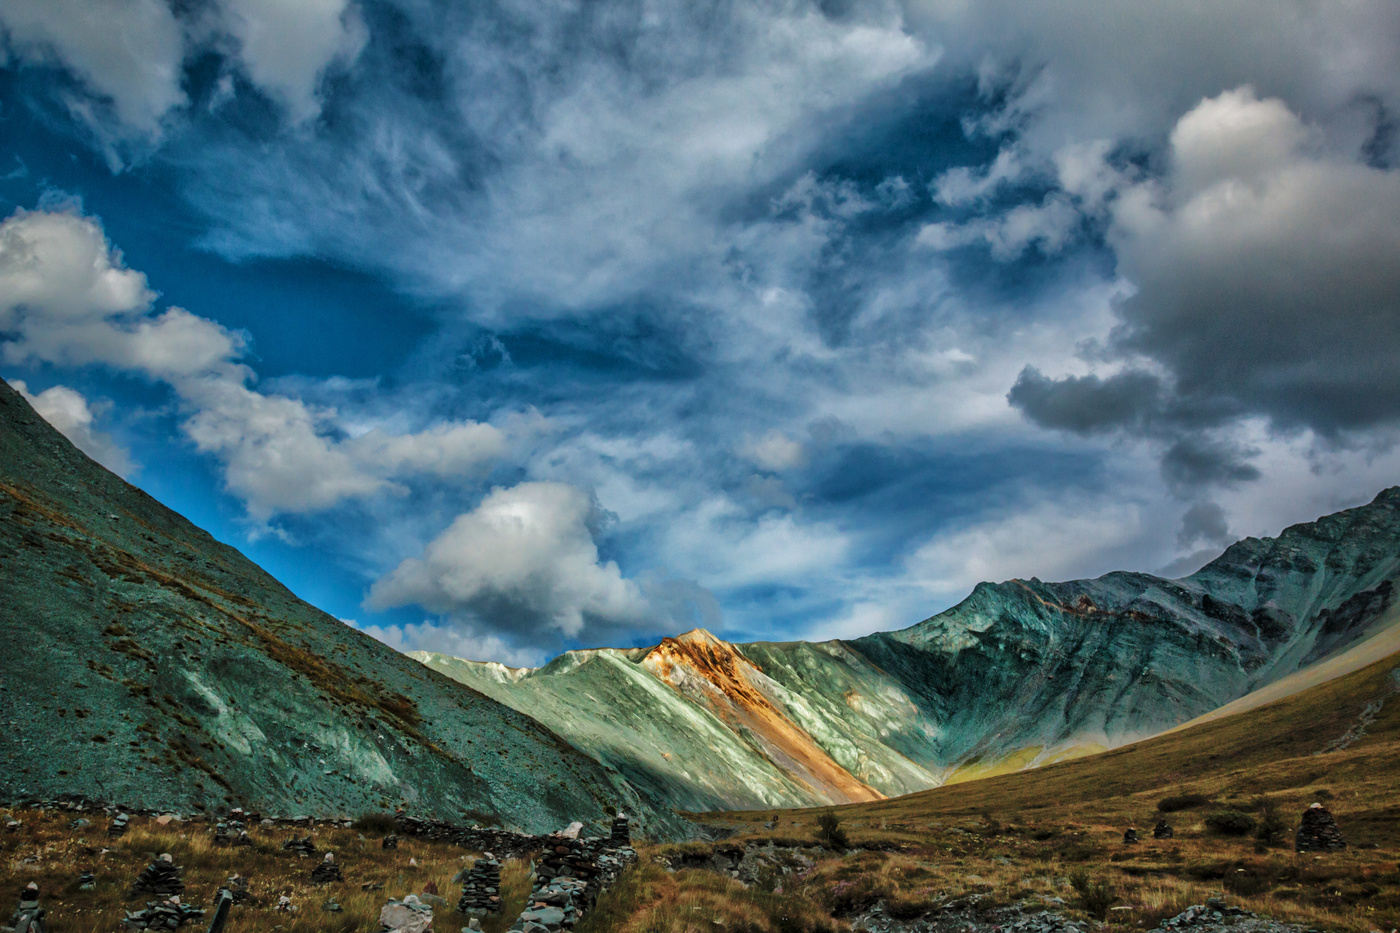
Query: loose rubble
x=161 y=878
x=170 y=914
x=407 y=916
x=303 y=847
x=1319 y=832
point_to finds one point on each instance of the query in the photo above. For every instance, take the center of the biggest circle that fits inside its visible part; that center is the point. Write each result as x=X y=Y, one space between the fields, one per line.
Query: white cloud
x=128 y=51
x=460 y=640
x=773 y=451
x=1050 y=540
x=964 y=185
x=69 y=300
x=287 y=45
x=69 y=412
x=525 y=560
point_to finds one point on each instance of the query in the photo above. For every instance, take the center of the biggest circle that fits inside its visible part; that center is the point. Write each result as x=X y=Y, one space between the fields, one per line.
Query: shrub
x=1182 y=802
x=375 y=823
x=1095 y=896
x=830 y=833
x=1231 y=823
x=1273 y=828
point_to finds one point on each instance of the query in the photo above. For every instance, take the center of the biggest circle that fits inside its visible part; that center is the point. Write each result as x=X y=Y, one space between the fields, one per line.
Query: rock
x=1163 y=830
x=407 y=916
x=481 y=887
x=169 y=914
x=332 y=906
x=118 y=826
x=621 y=834
x=1318 y=831
x=1130 y=836
x=390 y=842
x=87 y=881
x=303 y=847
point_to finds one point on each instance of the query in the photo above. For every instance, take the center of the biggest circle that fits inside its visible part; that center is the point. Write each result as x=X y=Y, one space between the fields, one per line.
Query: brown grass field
x=1013 y=839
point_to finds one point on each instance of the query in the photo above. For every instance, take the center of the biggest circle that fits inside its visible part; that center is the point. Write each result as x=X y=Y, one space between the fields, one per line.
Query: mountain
x=1020 y=674
x=150 y=665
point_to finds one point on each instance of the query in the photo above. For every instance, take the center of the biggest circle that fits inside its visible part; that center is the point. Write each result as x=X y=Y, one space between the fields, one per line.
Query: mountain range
x=1019 y=674
x=149 y=664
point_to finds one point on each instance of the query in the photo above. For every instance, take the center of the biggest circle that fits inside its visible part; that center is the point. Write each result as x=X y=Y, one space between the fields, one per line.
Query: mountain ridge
x=1018 y=674
x=162 y=668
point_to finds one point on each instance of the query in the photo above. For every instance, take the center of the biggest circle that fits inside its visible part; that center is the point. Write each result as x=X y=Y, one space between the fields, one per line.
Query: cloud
x=523 y=561
x=1204 y=521
x=459 y=640
x=128 y=52
x=1048 y=226
x=286 y=47
x=1087 y=404
x=773 y=451
x=69 y=300
x=69 y=412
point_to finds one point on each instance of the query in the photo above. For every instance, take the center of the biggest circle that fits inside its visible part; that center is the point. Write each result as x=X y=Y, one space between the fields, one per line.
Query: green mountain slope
x=148 y=664
x=1020 y=674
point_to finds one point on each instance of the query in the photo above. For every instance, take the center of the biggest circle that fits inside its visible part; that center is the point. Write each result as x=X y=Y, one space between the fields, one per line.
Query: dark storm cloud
x=1088 y=404
x=1204 y=521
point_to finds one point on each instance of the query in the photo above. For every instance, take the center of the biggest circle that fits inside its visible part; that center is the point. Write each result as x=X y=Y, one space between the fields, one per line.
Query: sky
x=503 y=328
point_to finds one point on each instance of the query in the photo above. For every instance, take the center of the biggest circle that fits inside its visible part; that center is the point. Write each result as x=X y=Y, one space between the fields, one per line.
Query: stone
x=480 y=886
x=407 y=916
x=390 y=842
x=332 y=906
x=621 y=834
x=1130 y=836
x=303 y=847
x=1318 y=831
x=1163 y=830
x=87 y=881
x=118 y=825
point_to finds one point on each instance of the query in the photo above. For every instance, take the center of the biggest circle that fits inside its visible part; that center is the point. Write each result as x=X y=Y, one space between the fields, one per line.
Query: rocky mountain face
x=1019 y=674
x=147 y=664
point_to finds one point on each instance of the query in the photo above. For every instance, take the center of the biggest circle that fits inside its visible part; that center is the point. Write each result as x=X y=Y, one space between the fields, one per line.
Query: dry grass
x=60 y=853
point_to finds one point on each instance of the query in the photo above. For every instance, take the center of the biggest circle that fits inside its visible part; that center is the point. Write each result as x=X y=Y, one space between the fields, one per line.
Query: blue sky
x=505 y=328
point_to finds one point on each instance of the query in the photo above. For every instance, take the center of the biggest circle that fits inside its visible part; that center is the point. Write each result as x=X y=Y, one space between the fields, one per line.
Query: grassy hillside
x=150 y=665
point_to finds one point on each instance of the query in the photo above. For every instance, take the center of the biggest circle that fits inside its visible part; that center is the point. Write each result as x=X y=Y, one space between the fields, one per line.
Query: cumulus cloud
x=523 y=560
x=128 y=52
x=69 y=300
x=286 y=47
x=69 y=412
x=459 y=640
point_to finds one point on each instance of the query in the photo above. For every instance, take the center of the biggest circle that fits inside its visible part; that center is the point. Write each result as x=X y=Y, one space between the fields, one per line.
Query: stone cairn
x=1319 y=832
x=223 y=837
x=481 y=888
x=161 y=878
x=569 y=875
x=87 y=880
x=242 y=838
x=303 y=847
x=1163 y=830
x=391 y=841
x=621 y=835
x=169 y=914
x=118 y=827
x=326 y=872
x=237 y=887
x=1130 y=836
x=29 y=916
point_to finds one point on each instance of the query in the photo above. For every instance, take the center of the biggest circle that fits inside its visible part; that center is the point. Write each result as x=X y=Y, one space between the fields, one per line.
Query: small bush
x=1095 y=897
x=1231 y=823
x=1182 y=802
x=830 y=833
x=1273 y=828
x=375 y=823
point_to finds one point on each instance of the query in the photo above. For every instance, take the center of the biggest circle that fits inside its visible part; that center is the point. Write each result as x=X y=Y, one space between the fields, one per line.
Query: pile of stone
x=242 y=838
x=569 y=875
x=391 y=841
x=1319 y=831
x=1213 y=911
x=161 y=878
x=237 y=887
x=407 y=916
x=223 y=837
x=621 y=835
x=1163 y=830
x=12 y=825
x=504 y=844
x=87 y=881
x=169 y=914
x=119 y=824
x=481 y=888
x=326 y=872
x=29 y=916
x=303 y=847
x=1130 y=836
